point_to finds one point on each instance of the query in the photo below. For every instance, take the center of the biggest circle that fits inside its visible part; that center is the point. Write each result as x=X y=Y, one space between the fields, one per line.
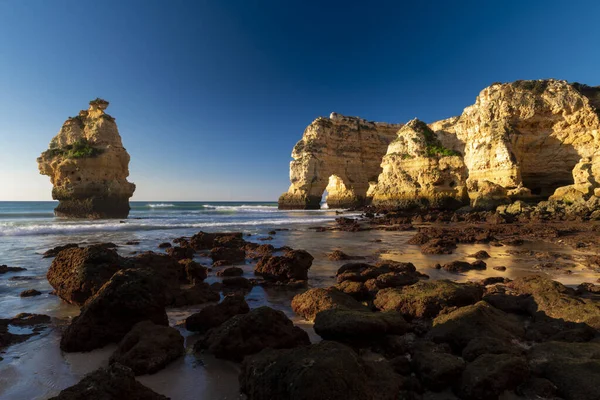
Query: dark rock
x=30 y=293
x=480 y=255
x=322 y=371
x=5 y=268
x=231 y=271
x=21 y=320
x=357 y=290
x=313 y=301
x=246 y=334
x=214 y=315
x=293 y=265
x=573 y=367
x=428 y=298
x=491 y=374
x=437 y=370
x=111 y=383
x=131 y=296
x=489 y=345
x=204 y=240
x=180 y=253
x=194 y=271
x=237 y=282
x=199 y=293
x=501 y=268
x=461 y=326
x=553 y=299
x=148 y=348
x=227 y=254
x=165 y=245
x=55 y=250
x=338 y=255
x=76 y=273
x=463 y=266
x=492 y=280
x=438 y=246
x=254 y=250
x=339 y=324
x=537 y=388
x=27 y=319
x=221 y=263
x=132 y=242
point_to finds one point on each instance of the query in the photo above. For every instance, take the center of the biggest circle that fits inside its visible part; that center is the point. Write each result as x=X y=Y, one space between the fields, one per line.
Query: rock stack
x=88 y=166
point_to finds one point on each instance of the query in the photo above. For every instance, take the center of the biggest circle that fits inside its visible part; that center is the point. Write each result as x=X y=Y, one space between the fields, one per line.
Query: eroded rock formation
x=88 y=166
x=522 y=140
x=340 y=154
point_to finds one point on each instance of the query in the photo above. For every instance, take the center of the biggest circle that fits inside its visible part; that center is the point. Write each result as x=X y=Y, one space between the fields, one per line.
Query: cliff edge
x=88 y=166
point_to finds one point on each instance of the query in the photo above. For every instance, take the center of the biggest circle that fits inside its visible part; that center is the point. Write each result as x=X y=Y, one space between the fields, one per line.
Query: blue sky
x=211 y=96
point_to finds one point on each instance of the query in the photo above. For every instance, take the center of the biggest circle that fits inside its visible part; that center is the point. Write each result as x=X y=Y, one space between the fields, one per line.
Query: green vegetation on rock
x=80 y=149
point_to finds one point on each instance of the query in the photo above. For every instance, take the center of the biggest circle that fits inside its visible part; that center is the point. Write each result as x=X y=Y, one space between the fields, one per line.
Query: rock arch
x=341 y=154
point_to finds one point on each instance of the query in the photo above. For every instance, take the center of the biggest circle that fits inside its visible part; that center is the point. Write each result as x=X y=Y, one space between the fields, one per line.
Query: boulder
x=489 y=345
x=491 y=374
x=214 y=315
x=231 y=271
x=357 y=290
x=438 y=246
x=114 y=382
x=428 y=298
x=310 y=303
x=294 y=265
x=204 y=240
x=30 y=293
x=460 y=326
x=194 y=271
x=322 y=371
x=148 y=348
x=463 y=266
x=5 y=268
x=180 y=253
x=552 y=299
x=246 y=334
x=129 y=297
x=340 y=324
x=480 y=255
x=76 y=274
x=55 y=250
x=338 y=255
x=227 y=254
x=437 y=370
x=199 y=293
x=573 y=367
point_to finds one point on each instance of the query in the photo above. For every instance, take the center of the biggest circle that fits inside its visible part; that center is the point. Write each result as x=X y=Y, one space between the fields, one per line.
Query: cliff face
x=88 y=166
x=521 y=140
x=418 y=171
x=340 y=154
x=527 y=133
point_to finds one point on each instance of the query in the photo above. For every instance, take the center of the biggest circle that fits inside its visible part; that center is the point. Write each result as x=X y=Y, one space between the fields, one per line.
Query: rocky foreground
x=88 y=166
x=388 y=331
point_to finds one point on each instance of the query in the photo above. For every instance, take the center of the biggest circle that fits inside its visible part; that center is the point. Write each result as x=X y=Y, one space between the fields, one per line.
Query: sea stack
x=88 y=166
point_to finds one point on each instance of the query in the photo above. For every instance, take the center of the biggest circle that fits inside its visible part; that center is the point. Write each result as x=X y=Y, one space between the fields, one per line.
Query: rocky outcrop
x=114 y=382
x=418 y=171
x=338 y=154
x=521 y=140
x=88 y=166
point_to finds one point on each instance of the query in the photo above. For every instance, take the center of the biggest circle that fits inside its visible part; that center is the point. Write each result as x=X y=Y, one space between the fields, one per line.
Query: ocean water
x=37 y=369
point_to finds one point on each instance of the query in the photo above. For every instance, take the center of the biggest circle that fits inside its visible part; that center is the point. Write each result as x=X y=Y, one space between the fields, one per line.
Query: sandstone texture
x=341 y=154
x=525 y=140
x=88 y=166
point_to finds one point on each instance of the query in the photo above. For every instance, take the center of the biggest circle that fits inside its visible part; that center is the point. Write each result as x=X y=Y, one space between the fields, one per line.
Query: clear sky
x=211 y=96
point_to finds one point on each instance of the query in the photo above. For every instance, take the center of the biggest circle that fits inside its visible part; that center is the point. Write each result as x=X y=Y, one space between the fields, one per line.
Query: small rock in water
x=5 y=268
x=480 y=255
x=30 y=293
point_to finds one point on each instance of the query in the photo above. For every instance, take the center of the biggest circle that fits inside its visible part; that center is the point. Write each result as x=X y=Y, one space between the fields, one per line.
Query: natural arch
x=340 y=154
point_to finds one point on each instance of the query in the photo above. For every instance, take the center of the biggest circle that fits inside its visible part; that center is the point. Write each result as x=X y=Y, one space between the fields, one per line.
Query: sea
x=37 y=369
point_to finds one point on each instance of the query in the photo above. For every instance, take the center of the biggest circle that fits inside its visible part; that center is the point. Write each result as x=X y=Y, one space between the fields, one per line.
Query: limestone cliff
x=338 y=154
x=88 y=166
x=418 y=171
x=521 y=140
x=528 y=134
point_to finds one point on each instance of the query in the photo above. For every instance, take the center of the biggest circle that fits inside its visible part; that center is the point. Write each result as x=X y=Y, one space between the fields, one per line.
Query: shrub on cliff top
x=434 y=147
